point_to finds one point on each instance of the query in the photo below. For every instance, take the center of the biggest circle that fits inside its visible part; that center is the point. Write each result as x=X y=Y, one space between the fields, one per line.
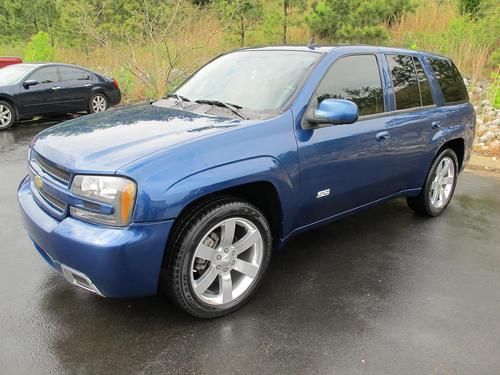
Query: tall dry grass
x=204 y=38
x=431 y=28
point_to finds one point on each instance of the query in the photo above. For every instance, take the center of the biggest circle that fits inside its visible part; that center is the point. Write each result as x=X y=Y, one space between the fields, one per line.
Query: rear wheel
x=217 y=258
x=7 y=115
x=439 y=186
x=98 y=103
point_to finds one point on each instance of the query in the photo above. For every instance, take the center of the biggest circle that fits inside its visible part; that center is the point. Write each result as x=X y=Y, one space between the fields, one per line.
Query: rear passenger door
x=414 y=118
x=76 y=87
x=343 y=167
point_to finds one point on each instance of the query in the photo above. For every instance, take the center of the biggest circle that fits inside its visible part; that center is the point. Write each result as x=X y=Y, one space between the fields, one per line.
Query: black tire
x=98 y=96
x=193 y=226
x=7 y=110
x=422 y=203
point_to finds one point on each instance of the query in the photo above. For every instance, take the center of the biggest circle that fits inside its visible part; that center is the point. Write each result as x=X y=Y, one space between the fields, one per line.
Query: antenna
x=312 y=44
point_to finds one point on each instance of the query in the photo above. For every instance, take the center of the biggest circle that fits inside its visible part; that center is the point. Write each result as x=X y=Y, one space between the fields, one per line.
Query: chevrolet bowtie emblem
x=38 y=182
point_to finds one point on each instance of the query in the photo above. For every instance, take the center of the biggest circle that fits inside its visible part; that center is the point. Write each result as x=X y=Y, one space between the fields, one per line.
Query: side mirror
x=334 y=112
x=30 y=82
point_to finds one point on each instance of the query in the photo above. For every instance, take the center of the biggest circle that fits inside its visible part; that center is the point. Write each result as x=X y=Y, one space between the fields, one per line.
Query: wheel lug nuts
x=234 y=262
x=225 y=269
x=218 y=267
x=234 y=252
x=226 y=250
x=219 y=257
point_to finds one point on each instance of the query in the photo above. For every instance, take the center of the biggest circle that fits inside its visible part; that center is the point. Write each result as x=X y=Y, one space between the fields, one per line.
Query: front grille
x=52 y=170
x=55 y=202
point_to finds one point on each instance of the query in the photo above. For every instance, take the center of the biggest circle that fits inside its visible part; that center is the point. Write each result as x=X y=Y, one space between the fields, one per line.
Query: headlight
x=118 y=192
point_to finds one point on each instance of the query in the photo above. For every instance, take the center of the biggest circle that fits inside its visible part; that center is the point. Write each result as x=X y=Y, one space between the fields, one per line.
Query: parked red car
x=4 y=61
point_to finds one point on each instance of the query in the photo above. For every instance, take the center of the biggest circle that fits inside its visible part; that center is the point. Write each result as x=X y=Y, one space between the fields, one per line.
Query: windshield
x=253 y=80
x=13 y=74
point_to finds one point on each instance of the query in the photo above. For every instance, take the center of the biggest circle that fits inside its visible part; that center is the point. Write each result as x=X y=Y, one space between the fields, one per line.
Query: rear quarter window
x=449 y=79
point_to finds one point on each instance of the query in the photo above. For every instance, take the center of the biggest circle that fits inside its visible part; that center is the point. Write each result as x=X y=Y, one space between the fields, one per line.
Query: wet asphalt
x=382 y=292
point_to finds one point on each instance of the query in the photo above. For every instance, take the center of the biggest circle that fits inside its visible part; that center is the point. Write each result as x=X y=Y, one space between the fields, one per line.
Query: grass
x=437 y=26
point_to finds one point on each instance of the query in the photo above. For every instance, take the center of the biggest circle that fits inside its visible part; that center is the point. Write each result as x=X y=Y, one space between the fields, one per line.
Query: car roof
x=37 y=65
x=344 y=48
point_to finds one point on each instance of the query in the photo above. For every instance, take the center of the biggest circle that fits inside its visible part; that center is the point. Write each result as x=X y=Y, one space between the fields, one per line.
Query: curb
x=484 y=163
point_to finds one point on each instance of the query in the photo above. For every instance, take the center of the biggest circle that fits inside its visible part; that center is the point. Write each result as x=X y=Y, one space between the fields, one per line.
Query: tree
x=356 y=20
x=20 y=19
x=145 y=37
x=240 y=15
x=39 y=48
x=287 y=6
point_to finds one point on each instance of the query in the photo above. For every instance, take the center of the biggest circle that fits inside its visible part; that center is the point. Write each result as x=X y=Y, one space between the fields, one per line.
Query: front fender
x=185 y=191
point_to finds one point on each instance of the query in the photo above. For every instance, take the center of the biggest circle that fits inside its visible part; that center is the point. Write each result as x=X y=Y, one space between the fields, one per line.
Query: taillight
x=115 y=82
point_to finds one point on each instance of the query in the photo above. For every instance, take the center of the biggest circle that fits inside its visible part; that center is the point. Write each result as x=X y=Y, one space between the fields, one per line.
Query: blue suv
x=191 y=194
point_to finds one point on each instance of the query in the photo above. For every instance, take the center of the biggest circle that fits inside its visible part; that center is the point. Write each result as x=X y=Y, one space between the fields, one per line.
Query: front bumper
x=118 y=262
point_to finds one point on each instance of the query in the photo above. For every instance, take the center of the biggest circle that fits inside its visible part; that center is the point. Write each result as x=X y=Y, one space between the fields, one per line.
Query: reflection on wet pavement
x=385 y=291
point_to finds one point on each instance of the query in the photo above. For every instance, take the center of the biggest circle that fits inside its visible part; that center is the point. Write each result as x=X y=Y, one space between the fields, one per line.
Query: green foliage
x=240 y=15
x=125 y=79
x=39 y=48
x=495 y=88
x=20 y=19
x=201 y=3
x=479 y=33
x=356 y=20
x=469 y=6
x=495 y=59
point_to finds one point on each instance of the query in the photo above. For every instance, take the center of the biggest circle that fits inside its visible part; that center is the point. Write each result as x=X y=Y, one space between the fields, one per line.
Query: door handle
x=87 y=85
x=383 y=136
x=55 y=88
x=436 y=124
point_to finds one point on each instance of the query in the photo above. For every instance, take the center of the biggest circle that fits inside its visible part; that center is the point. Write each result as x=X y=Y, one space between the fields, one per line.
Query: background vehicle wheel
x=439 y=185
x=98 y=103
x=217 y=258
x=7 y=115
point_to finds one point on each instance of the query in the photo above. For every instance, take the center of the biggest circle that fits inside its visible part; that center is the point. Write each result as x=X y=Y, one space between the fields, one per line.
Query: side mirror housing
x=334 y=112
x=30 y=82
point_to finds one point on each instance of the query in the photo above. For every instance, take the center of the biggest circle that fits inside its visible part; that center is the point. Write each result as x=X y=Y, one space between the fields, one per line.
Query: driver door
x=344 y=167
x=44 y=97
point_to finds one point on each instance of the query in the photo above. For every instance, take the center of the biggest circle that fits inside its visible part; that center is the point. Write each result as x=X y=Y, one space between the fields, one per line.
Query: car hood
x=106 y=141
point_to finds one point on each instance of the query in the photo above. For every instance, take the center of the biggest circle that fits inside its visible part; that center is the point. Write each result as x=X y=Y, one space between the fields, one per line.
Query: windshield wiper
x=232 y=107
x=179 y=98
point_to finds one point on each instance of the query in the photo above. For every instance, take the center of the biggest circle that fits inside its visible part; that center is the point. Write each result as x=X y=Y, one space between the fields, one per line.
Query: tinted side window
x=45 y=75
x=73 y=74
x=404 y=81
x=452 y=84
x=425 y=88
x=355 y=78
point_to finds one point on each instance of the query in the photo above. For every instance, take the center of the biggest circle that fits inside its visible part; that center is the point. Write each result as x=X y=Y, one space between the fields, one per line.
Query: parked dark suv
x=192 y=193
x=29 y=90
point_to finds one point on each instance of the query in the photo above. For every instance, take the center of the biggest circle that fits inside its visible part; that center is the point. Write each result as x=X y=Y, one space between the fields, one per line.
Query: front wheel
x=439 y=186
x=7 y=115
x=98 y=103
x=217 y=258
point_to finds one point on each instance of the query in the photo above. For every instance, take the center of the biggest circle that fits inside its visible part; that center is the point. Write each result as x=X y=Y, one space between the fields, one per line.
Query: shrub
x=469 y=6
x=39 y=48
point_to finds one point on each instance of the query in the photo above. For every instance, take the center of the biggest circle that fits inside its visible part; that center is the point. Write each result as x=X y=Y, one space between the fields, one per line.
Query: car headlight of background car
x=118 y=192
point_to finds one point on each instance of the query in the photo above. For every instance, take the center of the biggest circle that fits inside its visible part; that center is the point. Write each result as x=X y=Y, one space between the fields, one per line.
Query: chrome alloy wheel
x=99 y=103
x=227 y=261
x=5 y=116
x=442 y=183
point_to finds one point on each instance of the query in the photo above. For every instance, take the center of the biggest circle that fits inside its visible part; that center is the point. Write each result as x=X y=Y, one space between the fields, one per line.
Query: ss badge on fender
x=323 y=193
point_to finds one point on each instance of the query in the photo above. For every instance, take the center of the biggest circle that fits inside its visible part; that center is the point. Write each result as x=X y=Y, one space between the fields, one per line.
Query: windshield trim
x=289 y=102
